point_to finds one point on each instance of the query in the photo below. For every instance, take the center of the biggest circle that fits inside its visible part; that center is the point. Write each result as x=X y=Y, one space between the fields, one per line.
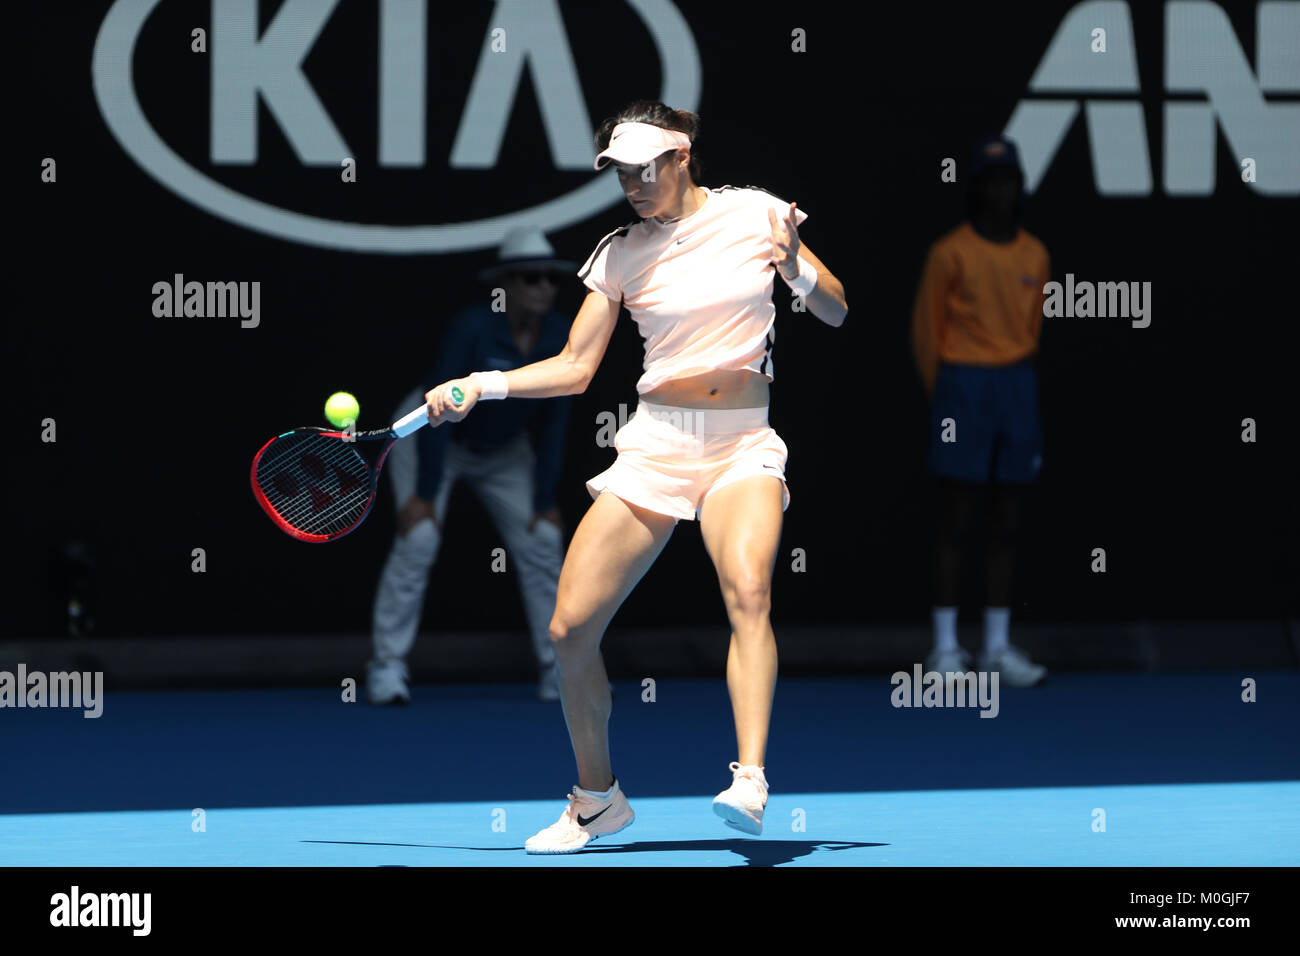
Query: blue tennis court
x=1184 y=772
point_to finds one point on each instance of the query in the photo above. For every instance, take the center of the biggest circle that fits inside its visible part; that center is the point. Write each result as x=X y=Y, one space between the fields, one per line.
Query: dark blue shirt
x=480 y=340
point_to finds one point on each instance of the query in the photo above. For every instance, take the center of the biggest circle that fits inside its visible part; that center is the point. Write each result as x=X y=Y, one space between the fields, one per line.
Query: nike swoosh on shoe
x=583 y=821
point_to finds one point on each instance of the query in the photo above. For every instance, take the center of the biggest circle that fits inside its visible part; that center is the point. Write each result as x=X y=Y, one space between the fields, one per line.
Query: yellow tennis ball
x=342 y=409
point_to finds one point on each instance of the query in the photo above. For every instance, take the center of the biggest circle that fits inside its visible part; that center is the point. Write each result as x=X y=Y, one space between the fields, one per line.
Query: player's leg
x=399 y=597
x=741 y=526
x=612 y=548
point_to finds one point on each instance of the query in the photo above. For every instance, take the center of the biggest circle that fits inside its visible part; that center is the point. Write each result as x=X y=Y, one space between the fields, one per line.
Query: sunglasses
x=536 y=278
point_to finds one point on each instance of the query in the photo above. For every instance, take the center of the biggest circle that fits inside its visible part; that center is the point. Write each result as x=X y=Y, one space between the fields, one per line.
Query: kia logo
x=245 y=67
x=1202 y=58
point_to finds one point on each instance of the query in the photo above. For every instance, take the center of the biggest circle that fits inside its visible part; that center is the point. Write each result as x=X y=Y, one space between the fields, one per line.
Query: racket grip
x=417 y=419
x=411 y=422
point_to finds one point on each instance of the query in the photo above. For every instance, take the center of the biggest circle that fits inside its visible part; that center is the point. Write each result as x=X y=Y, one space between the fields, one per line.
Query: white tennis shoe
x=583 y=820
x=741 y=805
x=1014 y=665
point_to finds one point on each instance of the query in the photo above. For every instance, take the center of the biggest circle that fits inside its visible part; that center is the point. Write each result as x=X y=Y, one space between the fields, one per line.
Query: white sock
x=945 y=629
x=599 y=795
x=996 y=620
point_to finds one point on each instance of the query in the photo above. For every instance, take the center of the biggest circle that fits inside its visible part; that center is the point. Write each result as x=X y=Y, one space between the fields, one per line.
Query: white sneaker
x=386 y=683
x=955 y=660
x=1016 y=669
x=741 y=805
x=583 y=820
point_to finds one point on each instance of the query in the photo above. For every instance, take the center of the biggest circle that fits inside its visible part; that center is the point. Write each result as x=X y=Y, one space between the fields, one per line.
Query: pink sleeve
x=782 y=206
x=600 y=272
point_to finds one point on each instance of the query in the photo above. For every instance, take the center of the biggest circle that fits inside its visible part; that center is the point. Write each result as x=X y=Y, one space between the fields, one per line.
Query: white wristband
x=805 y=281
x=491 y=384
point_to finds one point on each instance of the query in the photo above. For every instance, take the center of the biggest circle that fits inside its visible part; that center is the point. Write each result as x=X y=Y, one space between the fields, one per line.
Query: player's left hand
x=550 y=514
x=785 y=243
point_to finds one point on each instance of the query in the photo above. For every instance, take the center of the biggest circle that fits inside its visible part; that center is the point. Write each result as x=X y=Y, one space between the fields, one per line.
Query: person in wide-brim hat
x=510 y=458
x=525 y=249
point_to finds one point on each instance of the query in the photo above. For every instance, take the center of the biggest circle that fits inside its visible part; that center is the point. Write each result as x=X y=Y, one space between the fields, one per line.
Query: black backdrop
x=157 y=418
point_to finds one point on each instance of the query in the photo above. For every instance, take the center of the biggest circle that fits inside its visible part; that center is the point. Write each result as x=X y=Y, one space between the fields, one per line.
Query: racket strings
x=329 y=475
x=317 y=509
x=317 y=484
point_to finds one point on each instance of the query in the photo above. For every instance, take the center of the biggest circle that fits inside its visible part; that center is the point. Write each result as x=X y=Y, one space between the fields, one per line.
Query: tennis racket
x=316 y=486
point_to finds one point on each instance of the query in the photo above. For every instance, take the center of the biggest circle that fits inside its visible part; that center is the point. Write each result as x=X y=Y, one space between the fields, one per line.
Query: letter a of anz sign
x=1203 y=62
x=245 y=67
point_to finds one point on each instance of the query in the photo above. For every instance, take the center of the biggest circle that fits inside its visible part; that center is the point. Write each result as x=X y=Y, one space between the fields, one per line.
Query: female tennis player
x=696 y=272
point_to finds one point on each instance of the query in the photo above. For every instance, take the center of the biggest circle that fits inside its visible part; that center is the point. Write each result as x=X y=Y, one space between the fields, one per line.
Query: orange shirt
x=980 y=302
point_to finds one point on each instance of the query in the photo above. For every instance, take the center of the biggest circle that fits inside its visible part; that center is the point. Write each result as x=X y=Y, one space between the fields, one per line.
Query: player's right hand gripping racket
x=314 y=483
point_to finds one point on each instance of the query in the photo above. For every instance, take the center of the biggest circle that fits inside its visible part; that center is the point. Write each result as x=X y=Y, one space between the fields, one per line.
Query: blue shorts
x=994 y=413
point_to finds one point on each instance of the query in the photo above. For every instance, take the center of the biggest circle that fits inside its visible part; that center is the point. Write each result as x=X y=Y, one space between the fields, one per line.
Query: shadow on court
x=754 y=852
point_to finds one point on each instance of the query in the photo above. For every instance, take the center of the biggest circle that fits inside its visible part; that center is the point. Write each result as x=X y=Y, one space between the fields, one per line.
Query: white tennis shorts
x=670 y=459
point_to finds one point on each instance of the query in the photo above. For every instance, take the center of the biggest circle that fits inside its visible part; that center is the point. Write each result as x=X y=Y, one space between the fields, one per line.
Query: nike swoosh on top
x=583 y=821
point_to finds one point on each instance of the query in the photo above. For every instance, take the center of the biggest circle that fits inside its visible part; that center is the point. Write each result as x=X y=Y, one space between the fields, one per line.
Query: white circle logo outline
x=114 y=86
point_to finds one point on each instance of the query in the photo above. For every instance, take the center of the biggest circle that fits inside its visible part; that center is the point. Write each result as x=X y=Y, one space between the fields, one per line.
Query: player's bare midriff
x=720 y=388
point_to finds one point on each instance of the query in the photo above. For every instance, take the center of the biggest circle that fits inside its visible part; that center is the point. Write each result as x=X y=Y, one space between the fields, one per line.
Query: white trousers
x=503 y=481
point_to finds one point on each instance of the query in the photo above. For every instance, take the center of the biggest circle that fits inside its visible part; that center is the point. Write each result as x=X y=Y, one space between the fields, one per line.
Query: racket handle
x=413 y=421
x=418 y=418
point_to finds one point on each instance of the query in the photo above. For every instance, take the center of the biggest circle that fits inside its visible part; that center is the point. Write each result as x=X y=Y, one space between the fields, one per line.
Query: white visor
x=638 y=143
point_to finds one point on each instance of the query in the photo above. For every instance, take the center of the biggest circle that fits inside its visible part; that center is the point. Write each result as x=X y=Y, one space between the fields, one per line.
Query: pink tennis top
x=700 y=287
